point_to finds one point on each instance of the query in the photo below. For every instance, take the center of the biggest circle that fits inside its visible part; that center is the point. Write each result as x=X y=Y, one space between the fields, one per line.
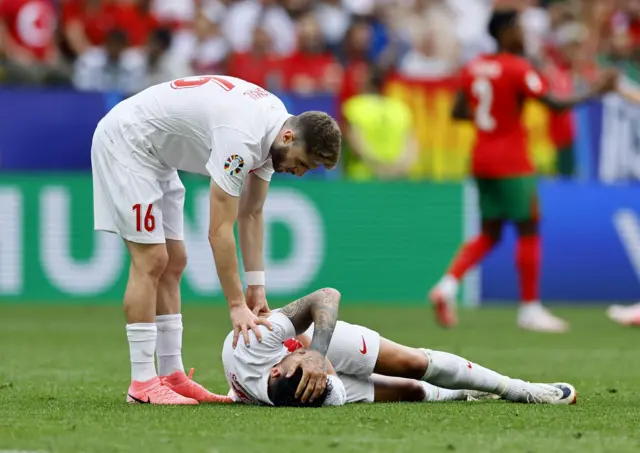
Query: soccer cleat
x=187 y=387
x=154 y=392
x=625 y=315
x=538 y=319
x=444 y=309
x=556 y=394
x=564 y=393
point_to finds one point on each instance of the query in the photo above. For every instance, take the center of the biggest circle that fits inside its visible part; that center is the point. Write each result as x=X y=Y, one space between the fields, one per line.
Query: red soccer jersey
x=496 y=87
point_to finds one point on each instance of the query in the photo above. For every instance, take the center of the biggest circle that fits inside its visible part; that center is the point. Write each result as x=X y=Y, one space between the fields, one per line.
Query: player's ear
x=288 y=137
x=275 y=372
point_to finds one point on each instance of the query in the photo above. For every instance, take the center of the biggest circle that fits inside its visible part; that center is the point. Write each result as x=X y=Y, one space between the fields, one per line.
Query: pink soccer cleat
x=443 y=308
x=187 y=387
x=154 y=392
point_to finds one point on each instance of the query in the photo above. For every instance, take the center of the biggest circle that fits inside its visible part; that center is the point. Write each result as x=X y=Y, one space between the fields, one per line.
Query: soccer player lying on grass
x=345 y=363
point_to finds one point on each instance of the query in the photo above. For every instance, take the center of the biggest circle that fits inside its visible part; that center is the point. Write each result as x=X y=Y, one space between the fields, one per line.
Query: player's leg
x=523 y=208
x=394 y=389
x=124 y=204
x=168 y=317
x=386 y=389
x=444 y=294
x=168 y=308
x=450 y=371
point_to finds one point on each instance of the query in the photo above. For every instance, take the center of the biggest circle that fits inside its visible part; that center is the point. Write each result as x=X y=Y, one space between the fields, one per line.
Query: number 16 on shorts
x=144 y=222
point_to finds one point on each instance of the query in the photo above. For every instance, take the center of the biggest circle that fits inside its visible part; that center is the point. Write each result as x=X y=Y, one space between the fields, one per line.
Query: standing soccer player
x=494 y=88
x=237 y=134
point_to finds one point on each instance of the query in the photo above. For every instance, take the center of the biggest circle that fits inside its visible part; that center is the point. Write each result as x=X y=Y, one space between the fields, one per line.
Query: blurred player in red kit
x=493 y=91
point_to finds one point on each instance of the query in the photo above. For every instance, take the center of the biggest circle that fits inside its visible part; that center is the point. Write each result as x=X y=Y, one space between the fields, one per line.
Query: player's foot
x=183 y=385
x=443 y=308
x=526 y=392
x=154 y=392
x=537 y=318
x=564 y=393
x=625 y=315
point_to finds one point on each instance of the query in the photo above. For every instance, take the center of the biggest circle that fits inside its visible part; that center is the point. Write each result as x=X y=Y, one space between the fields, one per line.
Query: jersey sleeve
x=231 y=158
x=337 y=392
x=266 y=171
x=530 y=82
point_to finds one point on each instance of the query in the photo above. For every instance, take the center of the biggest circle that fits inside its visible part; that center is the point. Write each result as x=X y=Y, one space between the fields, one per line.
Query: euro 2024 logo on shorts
x=233 y=165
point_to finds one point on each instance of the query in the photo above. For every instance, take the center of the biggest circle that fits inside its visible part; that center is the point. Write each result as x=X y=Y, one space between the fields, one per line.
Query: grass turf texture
x=64 y=372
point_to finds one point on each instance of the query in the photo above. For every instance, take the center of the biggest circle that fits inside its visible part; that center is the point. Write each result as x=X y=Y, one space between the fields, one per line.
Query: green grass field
x=64 y=373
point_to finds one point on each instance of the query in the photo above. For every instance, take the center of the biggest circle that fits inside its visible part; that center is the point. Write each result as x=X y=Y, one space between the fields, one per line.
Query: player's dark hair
x=282 y=392
x=500 y=20
x=321 y=136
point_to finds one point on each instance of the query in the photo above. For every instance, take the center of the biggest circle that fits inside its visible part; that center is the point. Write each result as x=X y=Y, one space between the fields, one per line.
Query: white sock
x=169 y=347
x=449 y=286
x=453 y=372
x=433 y=393
x=142 y=344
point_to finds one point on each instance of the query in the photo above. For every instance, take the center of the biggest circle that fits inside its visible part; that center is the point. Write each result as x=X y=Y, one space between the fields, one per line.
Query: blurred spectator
x=244 y=16
x=356 y=58
x=174 y=14
x=472 y=17
x=423 y=61
x=536 y=26
x=311 y=69
x=260 y=65
x=162 y=65
x=431 y=29
x=205 y=47
x=88 y=22
x=562 y=70
x=27 y=30
x=378 y=130
x=334 y=20
x=111 y=67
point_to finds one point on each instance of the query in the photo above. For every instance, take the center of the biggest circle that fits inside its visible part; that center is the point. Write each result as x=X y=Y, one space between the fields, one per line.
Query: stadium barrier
x=591 y=247
x=376 y=242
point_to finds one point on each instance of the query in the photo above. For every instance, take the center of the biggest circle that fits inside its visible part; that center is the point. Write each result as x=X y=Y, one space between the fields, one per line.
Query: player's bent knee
x=149 y=259
x=176 y=265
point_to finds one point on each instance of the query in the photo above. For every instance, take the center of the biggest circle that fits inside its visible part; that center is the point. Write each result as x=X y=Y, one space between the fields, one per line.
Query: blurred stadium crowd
x=305 y=47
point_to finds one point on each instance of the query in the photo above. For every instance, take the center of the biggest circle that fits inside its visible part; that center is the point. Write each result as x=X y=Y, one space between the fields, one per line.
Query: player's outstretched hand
x=314 y=374
x=244 y=320
x=257 y=300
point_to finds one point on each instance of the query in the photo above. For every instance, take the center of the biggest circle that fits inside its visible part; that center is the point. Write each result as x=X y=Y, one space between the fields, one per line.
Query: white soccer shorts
x=137 y=207
x=353 y=352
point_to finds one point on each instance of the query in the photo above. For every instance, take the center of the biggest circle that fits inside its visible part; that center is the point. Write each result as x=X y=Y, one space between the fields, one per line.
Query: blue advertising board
x=52 y=129
x=591 y=246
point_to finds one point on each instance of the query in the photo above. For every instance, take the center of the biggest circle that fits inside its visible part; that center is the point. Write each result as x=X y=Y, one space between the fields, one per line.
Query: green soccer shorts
x=512 y=198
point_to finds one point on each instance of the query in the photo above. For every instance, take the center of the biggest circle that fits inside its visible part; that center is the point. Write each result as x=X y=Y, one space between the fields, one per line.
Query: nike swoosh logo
x=364 y=346
x=138 y=400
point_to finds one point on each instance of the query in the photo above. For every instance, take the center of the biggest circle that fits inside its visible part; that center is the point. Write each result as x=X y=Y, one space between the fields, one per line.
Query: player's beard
x=278 y=156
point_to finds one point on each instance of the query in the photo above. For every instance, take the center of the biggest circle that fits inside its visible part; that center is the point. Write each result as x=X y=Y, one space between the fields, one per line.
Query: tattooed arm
x=321 y=308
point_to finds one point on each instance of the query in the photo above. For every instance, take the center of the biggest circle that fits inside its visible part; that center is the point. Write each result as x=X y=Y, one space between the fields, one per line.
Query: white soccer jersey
x=212 y=125
x=247 y=368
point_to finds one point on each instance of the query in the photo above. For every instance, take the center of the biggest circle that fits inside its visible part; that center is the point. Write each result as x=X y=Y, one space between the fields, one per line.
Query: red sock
x=528 y=263
x=470 y=254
